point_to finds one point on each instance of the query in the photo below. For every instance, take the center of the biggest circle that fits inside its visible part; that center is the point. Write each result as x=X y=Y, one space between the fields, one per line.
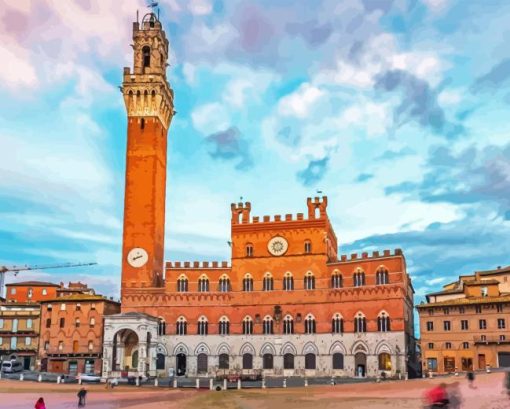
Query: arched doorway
x=125 y=351
x=202 y=363
x=180 y=364
x=160 y=361
x=360 y=365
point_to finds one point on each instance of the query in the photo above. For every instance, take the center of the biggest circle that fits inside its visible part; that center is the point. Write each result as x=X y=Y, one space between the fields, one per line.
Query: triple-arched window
x=336 y=280
x=288 y=281
x=248 y=282
x=309 y=281
x=337 y=324
x=247 y=326
x=203 y=284
x=359 y=278
x=181 y=326
x=224 y=326
x=267 y=325
x=202 y=327
x=383 y=322
x=224 y=284
x=182 y=284
x=288 y=325
x=360 y=323
x=382 y=276
x=268 y=283
x=310 y=327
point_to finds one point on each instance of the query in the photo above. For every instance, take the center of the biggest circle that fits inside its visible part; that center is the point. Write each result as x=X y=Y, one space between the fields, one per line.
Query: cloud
x=497 y=77
x=396 y=154
x=314 y=172
x=314 y=33
x=363 y=177
x=288 y=136
x=299 y=103
x=230 y=145
x=210 y=117
x=471 y=176
x=418 y=104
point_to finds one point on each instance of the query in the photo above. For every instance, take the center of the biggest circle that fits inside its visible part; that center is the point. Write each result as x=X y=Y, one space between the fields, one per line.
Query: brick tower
x=149 y=104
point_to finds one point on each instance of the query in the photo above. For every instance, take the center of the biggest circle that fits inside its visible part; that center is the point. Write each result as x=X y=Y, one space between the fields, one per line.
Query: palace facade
x=285 y=304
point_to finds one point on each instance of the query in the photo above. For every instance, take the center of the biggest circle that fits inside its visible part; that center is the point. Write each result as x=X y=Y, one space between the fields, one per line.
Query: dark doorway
x=180 y=364
x=26 y=363
x=202 y=363
x=481 y=361
x=360 y=364
x=44 y=365
x=504 y=359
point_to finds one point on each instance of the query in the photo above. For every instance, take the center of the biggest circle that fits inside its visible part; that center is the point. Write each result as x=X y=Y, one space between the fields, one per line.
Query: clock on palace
x=277 y=246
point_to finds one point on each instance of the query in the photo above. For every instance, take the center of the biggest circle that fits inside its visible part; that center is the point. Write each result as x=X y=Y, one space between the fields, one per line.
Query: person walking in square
x=471 y=378
x=40 y=404
x=81 y=397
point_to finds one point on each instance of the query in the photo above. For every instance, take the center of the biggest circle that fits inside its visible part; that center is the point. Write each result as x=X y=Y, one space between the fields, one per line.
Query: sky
x=396 y=110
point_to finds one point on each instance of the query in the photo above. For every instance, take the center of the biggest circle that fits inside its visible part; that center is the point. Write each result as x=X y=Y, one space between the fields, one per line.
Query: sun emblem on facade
x=277 y=246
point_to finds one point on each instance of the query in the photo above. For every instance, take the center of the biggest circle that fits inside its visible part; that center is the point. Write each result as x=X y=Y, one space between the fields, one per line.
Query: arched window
x=224 y=284
x=383 y=322
x=337 y=324
x=267 y=361
x=247 y=326
x=288 y=281
x=308 y=246
x=288 y=325
x=182 y=284
x=384 y=362
x=310 y=324
x=224 y=326
x=309 y=281
x=181 y=326
x=202 y=363
x=359 y=278
x=338 y=360
x=202 y=328
x=267 y=284
x=247 y=361
x=161 y=327
x=223 y=362
x=203 y=284
x=248 y=282
x=288 y=361
x=160 y=361
x=310 y=361
x=146 y=54
x=360 y=323
x=336 y=280
x=268 y=325
x=249 y=250
x=382 y=276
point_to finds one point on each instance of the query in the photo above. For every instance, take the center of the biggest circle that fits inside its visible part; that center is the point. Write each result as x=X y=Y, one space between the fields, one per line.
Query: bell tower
x=149 y=101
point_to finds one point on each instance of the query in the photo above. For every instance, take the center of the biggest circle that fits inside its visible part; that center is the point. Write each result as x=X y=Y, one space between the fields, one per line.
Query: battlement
x=316 y=211
x=196 y=264
x=366 y=256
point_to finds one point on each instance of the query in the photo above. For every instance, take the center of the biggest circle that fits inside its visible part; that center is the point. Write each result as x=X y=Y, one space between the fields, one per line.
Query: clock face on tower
x=137 y=257
x=277 y=246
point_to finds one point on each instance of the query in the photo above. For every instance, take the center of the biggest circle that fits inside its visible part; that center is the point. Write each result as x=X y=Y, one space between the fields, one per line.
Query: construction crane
x=16 y=269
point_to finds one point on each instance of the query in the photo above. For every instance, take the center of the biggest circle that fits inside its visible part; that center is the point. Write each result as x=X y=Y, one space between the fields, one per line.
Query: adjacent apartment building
x=467 y=324
x=71 y=340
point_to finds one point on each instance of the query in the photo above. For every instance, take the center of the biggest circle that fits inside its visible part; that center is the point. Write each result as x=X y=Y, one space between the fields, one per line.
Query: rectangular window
x=501 y=338
x=61 y=345
x=499 y=307
x=483 y=324
x=28 y=341
x=62 y=322
x=92 y=322
x=14 y=342
x=484 y=291
x=447 y=325
x=464 y=325
x=15 y=325
x=44 y=291
x=13 y=291
x=431 y=311
x=478 y=309
x=49 y=307
x=62 y=307
x=448 y=345
x=46 y=345
x=446 y=311
x=431 y=345
x=432 y=364
x=1 y=322
x=1 y=341
x=29 y=323
x=78 y=307
x=30 y=293
x=465 y=345
x=501 y=323
x=430 y=326
x=462 y=310
x=48 y=322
